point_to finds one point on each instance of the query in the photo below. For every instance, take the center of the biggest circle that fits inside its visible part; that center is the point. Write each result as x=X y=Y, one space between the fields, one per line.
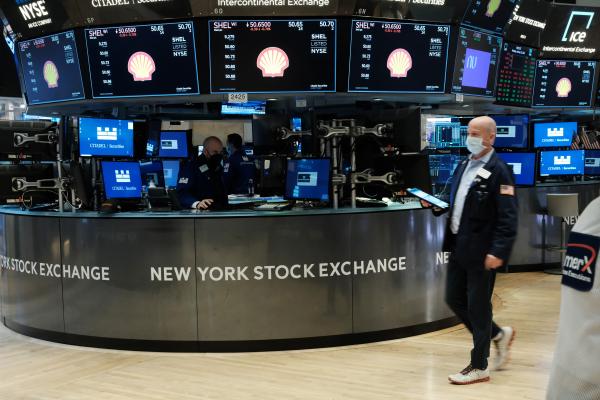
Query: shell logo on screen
x=399 y=62
x=492 y=7
x=141 y=66
x=564 y=87
x=273 y=62
x=51 y=74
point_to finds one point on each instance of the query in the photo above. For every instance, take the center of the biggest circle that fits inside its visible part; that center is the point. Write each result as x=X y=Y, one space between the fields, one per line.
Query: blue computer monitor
x=308 y=179
x=442 y=166
x=173 y=144
x=170 y=172
x=554 y=134
x=592 y=162
x=152 y=173
x=568 y=162
x=511 y=131
x=122 y=180
x=105 y=137
x=522 y=165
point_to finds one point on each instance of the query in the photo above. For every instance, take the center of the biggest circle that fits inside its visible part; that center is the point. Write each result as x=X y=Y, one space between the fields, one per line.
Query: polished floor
x=412 y=368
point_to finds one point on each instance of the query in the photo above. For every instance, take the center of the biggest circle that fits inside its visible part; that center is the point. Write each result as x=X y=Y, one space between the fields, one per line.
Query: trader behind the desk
x=239 y=168
x=200 y=185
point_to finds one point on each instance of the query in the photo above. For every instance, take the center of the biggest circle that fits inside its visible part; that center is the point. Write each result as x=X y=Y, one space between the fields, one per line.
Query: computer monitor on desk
x=308 y=179
x=122 y=180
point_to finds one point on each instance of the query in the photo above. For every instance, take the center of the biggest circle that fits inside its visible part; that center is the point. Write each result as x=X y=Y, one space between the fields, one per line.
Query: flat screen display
x=143 y=60
x=592 y=162
x=51 y=70
x=96 y=12
x=444 y=133
x=170 y=172
x=573 y=32
x=554 y=134
x=152 y=174
x=308 y=179
x=261 y=56
x=249 y=108
x=122 y=180
x=173 y=144
x=511 y=131
x=442 y=166
x=105 y=137
x=435 y=11
x=32 y=18
x=522 y=165
x=477 y=58
x=528 y=22
x=570 y=162
x=516 y=75
x=564 y=83
x=398 y=57
x=490 y=15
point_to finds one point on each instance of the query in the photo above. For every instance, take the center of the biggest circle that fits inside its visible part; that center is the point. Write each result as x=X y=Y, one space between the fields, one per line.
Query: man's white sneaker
x=470 y=375
x=503 y=345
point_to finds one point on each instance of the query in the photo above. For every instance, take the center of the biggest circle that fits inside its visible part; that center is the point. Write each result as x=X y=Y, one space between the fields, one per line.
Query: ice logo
x=492 y=7
x=563 y=87
x=123 y=176
x=51 y=74
x=399 y=62
x=141 y=66
x=273 y=62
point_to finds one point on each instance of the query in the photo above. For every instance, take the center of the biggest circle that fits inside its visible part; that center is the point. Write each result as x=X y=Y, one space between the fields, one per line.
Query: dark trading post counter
x=236 y=281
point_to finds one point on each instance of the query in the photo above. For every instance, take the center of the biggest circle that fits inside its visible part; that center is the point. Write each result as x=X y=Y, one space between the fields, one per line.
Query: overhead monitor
x=569 y=162
x=173 y=144
x=308 y=179
x=444 y=132
x=435 y=11
x=490 y=15
x=574 y=33
x=105 y=137
x=398 y=57
x=522 y=165
x=476 y=64
x=32 y=18
x=527 y=22
x=143 y=60
x=256 y=107
x=554 y=134
x=260 y=8
x=50 y=68
x=561 y=83
x=516 y=75
x=122 y=180
x=152 y=174
x=95 y=12
x=170 y=172
x=592 y=162
x=511 y=131
x=267 y=56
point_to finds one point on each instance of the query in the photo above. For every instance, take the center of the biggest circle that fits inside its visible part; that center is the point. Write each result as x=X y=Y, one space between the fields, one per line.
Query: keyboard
x=274 y=207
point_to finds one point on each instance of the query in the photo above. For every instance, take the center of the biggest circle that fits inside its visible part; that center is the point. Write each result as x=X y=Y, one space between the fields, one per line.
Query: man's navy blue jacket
x=489 y=221
x=238 y=170
x=197 y=181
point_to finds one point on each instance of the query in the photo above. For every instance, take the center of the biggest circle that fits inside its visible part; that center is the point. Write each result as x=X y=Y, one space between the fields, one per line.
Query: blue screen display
x=522 y=165
x=51 y=70
x=442 y=166
x=308 y=179
x=105 y=137
x=570 y=162
x=152 y=172
x=171 y=172
x=173 y=144
x=122 y=180
x=249 y=108
x=592 y=162
x=511 y=131
x=554 y=134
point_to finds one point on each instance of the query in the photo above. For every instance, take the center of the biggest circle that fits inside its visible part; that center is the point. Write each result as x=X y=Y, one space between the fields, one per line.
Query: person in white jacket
x=575 y=371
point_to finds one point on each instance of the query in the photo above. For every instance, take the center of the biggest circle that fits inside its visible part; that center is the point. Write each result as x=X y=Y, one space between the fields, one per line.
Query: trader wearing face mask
x=480 y=233
x=200 y=185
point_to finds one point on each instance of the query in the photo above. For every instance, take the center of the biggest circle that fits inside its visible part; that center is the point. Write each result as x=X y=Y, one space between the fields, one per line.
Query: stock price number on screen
x=258 y=25
x=126 y=31
x=157 y=28
x=185 y=27
x=296 y=24
x=327 y=24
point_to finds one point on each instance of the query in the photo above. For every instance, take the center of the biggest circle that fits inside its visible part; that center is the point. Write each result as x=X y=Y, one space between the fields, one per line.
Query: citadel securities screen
x=398 y=57
x=491 y=15
x=105 y=137
x=272 y=56
x=122 y=180
x=516 y=75
x=564 y=83
x=568 y=162
x=476 y=64
x=51 y=69
x=143 y=60
x=130 y=11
